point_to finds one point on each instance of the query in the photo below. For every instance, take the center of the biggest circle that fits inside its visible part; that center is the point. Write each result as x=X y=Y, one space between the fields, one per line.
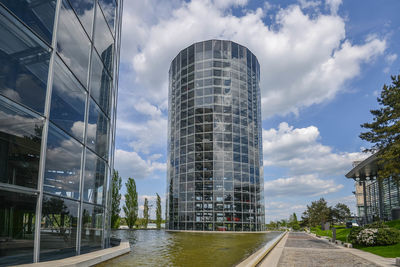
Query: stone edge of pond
x=88 y=259
x=260 y=254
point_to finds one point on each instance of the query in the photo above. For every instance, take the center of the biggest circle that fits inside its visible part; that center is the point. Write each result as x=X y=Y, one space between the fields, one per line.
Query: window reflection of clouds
x=68 y=100
x=95 y=172
x=97 y=133
x=103 y=40
x=84 y=9
x=23 y=64
x=63 y=162
x=109 y=8
x=100 y=84
x=73 y=43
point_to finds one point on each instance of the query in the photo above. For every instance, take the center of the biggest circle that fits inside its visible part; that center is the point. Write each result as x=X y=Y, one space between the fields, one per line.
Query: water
x=161 y=248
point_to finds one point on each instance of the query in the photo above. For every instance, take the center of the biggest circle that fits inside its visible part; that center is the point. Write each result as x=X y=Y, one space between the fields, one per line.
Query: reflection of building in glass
x=58 y=89
x=215 y=174
x=378 y=197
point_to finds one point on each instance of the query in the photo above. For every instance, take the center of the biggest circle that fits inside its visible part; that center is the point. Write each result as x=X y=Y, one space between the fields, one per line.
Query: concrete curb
x=260 y=254
x=88 y=259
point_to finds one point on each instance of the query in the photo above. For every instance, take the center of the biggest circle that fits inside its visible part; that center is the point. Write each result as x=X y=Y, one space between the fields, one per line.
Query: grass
x=341 y=232
x=394 y=224
x=392 y=251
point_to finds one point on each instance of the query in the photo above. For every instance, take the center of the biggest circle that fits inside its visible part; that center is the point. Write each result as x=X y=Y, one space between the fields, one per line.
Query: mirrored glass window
x=92 y=224
x=58 y=226
x=24 y=61
x=73 y=43
x=67 y=101
x=95 y=173
x=100 y=84
x=20 y=140
x=109 y=7
x=84 y=9
x=103 y=40
x=97 y=130
x=38 y=16
x=17 y=227
x=63 y=164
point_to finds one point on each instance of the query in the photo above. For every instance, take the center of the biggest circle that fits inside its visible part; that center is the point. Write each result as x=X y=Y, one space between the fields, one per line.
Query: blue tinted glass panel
x=20 y=140
x=24 y=61
x=63 y=164
x=100 y=84
x=95 y=173
x=109 y=7
x=38 y=15
x=58 y=226
x=97 y=130
x=85 y=11
x=67 y=101
x=103 y=41
x=73 y=43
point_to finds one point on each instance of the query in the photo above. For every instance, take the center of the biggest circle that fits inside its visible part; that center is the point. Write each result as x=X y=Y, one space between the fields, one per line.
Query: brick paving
x=304 y=250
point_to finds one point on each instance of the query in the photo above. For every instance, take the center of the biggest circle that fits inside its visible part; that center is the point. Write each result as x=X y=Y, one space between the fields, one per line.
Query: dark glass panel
x=92 y=228
x=97 y=130
x=39 y=16
x=17 y=227
x=20 y=140
x=24 y=61
x=58 y=230
x=103 y=41
x=94 y=180
x=67 y=101
x=84 y=9
x=73 y=43
x=63 y=164
x=100 y=84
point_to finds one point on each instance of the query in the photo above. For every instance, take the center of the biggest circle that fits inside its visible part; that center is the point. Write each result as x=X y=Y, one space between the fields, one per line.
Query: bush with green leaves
x=387 y=236
x=367 y=237
x=352 y=237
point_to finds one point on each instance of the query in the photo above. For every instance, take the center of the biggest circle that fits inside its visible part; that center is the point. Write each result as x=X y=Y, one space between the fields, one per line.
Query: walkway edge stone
x=88 y=259
x=260 y=254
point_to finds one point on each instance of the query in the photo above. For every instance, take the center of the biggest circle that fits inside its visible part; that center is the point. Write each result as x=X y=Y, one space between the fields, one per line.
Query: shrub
x=352 y=237
x=377 y=224
x=367 y=237
x=387 y=236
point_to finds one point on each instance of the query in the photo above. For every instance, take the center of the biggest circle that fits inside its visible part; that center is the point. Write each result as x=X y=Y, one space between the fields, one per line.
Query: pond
x=161 y=248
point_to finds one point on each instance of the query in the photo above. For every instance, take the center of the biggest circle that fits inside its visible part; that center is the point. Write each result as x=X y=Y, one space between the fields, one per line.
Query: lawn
x=394 y=224
x=341 y=232
x=392 y=251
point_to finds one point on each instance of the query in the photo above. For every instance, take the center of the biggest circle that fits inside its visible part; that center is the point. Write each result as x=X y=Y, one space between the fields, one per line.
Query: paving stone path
x=304 y=250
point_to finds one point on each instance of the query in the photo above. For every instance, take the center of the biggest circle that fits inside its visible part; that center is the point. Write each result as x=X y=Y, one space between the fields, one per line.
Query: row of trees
x=130 y=207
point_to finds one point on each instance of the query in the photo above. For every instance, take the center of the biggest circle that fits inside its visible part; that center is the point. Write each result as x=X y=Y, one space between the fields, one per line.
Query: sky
x=323 y=64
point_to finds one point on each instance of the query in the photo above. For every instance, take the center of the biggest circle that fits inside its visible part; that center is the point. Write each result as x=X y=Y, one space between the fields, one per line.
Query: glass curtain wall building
x=215 y=173
x=58 y=91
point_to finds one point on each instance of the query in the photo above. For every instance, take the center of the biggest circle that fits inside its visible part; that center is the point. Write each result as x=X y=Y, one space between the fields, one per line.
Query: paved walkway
x=301 y=249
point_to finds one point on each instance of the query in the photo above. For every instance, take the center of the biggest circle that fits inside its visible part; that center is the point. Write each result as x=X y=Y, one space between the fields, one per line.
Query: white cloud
x=304 y=59
x=130 y=164
x=298 y=150
x=303 y=185
x=391 y=58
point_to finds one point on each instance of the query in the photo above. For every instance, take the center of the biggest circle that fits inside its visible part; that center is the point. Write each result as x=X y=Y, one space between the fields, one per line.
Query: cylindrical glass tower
x=215 y=173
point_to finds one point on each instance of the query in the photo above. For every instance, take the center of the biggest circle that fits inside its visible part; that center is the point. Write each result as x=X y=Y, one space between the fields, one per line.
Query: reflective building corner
x=58 y=91
x=215 y=164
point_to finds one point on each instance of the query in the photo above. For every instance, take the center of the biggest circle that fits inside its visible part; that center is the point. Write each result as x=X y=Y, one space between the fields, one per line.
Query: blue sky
x=323 y=63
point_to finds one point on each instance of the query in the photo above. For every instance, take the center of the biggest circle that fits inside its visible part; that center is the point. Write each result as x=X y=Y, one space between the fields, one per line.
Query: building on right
x=376 y=198
x=215 y=164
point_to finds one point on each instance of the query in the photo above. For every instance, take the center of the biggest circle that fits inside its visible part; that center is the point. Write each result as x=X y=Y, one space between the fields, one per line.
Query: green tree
x=116 y=185
x=318 y=213
x=131 y=203
x=341 y=212
x=145 y=213
x=384 y=131
x=293 y=222
x=158 y=212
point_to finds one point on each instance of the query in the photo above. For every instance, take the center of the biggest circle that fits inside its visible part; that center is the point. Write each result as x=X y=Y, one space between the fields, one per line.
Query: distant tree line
x=317 y=213
x=131 y=206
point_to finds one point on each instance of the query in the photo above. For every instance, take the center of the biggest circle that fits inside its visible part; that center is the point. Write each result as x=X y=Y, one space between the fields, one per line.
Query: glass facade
x=58 y=90
x=215 y=165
